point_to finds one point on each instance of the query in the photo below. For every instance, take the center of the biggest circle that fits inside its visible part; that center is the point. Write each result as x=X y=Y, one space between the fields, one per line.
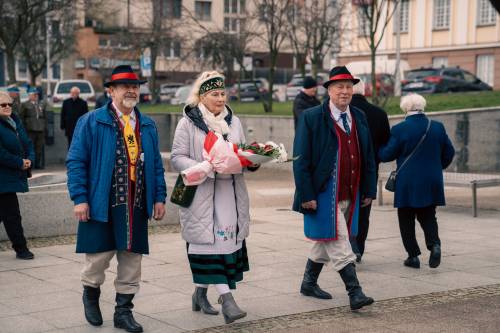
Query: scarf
x=11 y=122
x=215 y=123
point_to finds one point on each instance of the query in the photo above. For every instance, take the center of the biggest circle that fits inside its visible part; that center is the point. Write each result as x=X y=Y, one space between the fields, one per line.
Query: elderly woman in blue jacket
x=419 y=181
x=16 y=155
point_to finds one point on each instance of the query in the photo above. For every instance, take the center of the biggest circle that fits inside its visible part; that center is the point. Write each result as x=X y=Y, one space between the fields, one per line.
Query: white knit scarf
x=216 y=123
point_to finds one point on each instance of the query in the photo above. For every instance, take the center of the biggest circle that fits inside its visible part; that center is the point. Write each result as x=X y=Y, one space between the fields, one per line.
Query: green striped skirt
x=219 y=268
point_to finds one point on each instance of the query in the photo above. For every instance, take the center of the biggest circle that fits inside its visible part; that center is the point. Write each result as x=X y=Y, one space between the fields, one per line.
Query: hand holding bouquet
x=258 y=153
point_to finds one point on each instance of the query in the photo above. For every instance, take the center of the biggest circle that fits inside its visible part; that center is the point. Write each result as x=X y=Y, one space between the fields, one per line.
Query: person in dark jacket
x=16 y=156
x=305 y=99
x=334 y=175
x=16 y=100
x=419 y=182
x=72 y=109
x=103 y=99
x=34 y=117
x=380 y=131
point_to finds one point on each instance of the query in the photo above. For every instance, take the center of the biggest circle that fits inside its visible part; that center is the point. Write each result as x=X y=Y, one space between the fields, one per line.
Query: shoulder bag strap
x=416 y=147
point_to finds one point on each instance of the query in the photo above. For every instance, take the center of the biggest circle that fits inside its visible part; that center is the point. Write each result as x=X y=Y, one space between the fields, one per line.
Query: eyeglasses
x=4 y=105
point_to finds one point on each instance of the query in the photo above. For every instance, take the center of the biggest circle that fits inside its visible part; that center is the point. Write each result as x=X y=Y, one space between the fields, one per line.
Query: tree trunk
x=11 y=66
x=152 y=82
x=374 y=78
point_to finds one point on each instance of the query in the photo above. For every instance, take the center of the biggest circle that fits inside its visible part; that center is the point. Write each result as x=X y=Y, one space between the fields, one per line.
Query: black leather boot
x=230 y=310
x=309 y=286
x=435 y=257
x=91 y=305
x=357 y=298
x=123 y=317
x=200 y=302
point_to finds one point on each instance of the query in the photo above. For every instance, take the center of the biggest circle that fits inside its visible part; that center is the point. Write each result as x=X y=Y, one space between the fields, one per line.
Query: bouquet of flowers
x=225 y=157
x=258 y=153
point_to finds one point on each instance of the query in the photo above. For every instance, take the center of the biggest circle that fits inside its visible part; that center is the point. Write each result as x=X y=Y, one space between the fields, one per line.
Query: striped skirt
x=219 y=268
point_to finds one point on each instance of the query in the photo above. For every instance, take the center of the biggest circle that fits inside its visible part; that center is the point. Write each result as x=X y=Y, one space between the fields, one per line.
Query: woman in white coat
x=216 y=223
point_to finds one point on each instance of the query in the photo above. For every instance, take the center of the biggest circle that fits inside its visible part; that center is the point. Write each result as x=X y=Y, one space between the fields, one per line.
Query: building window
x=55 y=72
x=172 y=50
x=486 y=13
x=234 y=6
x=79 y=63
x=171 y=8
x=103 y=43
x=438 y=62
x=232 y=24
x=22 y=70
x=363 y=24
x=404 y=18
x=441 y=14
x=485 y=68
x=203 y=10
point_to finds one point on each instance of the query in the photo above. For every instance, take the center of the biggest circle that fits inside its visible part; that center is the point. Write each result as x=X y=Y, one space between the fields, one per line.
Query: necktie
x=131 y=143
x=347 y=129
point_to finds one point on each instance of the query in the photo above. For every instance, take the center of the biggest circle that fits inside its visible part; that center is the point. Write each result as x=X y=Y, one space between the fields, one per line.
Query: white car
x=295 y=84
x=181 y=95
x=63 y=87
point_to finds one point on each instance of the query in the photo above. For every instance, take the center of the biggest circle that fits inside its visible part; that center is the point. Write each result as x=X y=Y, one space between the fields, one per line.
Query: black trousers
x=426 y=216
x=11 y=218
x=363 y=225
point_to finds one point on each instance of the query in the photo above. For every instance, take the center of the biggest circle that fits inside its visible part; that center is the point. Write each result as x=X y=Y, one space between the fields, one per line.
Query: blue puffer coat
x=14 y=147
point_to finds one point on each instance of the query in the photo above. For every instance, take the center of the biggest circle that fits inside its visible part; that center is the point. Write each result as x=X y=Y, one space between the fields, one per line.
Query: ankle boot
x=123 y=317
x=230 y=309
x=200 y=302
x=91 y=305
x=357 y=298
x=309 y=286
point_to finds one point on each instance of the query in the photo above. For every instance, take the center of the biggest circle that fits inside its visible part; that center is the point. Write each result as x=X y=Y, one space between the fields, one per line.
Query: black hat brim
x=327 y=83
x=124 y=81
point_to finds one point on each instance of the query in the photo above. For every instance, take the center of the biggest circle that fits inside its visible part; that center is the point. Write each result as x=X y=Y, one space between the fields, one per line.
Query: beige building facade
x=464 y=33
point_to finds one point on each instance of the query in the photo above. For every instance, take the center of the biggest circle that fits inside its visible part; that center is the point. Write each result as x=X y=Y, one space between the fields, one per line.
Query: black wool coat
x=72 y=110
x=301 y=103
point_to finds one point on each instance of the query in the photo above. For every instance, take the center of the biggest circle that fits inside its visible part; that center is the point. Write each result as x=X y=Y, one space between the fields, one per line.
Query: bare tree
x=315 y=30
x=273 y=16
x=17 y=16
x=374 y=16
x=32 y=45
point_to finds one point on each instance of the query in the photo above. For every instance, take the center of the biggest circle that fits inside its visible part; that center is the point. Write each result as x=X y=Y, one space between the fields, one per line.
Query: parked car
x=384 y=82
x=441 y=80
x=295 y=84
x=250 y=90
x=181 y=95
x=167 y=91
x=23 y=93
x=63 y=87
x=144 y=94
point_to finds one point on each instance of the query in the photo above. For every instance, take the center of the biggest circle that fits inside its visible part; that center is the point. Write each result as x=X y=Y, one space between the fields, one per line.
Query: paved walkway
x=44 y=295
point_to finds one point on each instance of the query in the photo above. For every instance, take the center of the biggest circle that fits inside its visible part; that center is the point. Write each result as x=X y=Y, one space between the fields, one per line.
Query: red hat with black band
x=123 y=74
x=340 y=73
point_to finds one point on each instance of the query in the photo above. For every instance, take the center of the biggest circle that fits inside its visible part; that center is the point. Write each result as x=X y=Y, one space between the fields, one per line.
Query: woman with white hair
x=422 y=150
x=216 y=222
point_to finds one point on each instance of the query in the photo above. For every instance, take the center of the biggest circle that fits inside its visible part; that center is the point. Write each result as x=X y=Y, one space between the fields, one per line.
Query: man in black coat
x=305 y=99
x=103 y=99
x=72 y=109
x=380 y=131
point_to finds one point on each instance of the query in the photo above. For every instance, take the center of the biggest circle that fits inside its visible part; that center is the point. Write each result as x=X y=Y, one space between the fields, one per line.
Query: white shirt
x=120 y=116
x=336 y=116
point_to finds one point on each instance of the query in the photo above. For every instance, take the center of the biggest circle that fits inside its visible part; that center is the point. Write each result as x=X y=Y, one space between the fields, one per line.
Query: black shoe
x=435 y=257
x=357 y=299
x=25 y=255
x=123 y=317
x=412 y=262
x=91 y=305
x=200 y=302
x=309 y=286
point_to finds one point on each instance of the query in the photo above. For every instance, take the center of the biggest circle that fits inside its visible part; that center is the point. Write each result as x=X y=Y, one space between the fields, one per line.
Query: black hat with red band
x=340 y=73
x=123 y=74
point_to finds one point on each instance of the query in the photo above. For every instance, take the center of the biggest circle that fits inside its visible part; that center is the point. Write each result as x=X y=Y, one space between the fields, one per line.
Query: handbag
x=182 y=195
x=390 y=185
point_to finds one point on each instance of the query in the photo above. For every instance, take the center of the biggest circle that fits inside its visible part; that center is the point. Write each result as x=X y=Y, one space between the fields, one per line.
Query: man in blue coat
x=116 y=180
x=334 y=174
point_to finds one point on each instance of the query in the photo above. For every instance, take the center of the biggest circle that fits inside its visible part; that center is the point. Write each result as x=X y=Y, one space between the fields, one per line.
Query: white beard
x=129 y=103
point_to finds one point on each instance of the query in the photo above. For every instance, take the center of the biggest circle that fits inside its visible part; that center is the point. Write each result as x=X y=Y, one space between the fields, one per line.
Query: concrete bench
x=454 y=179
